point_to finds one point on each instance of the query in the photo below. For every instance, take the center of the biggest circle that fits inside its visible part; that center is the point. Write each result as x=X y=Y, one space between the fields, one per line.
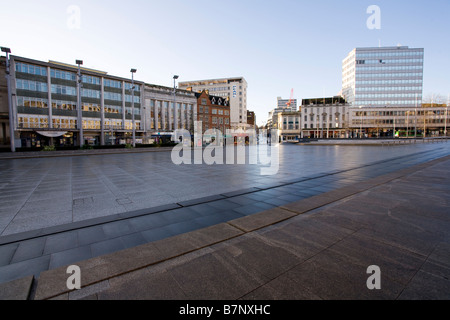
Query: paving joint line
x=117 y=217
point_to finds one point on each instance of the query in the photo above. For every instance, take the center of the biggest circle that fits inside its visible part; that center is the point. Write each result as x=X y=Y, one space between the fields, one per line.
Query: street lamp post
x=407 y=124
x=79 y=107
x=133 y=71
x=361 y=121
x=10 y=107
x=317 y=126
x=393 y=132
x=424 y=119
x=415 y=120
x=328 y=126
x=446 y=115
x=175 y=112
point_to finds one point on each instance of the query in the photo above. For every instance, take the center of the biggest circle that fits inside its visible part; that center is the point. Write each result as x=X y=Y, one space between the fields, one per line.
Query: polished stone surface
x=44 y=192
x=104 y=230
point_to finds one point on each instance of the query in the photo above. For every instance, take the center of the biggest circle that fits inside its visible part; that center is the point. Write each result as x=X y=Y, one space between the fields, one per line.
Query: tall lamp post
x=79 y=107
x=133 y=71
x=415 y=119
x=425 y=117
x=393 y=133
x=446 y=116
x=10 y=107
x=361 y=121
x=407 y=124
x=175 y=115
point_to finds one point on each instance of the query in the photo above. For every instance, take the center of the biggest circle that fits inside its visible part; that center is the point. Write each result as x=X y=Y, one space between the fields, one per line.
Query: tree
x=434 y=98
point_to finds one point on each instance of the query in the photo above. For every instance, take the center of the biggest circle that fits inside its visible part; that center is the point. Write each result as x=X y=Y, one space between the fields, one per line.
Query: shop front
x=39 y=139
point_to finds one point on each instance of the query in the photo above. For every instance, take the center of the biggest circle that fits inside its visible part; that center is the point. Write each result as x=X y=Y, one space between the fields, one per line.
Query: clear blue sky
x=275 y=45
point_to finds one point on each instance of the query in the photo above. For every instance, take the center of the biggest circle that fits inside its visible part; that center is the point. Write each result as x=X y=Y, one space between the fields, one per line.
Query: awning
x=52 y=134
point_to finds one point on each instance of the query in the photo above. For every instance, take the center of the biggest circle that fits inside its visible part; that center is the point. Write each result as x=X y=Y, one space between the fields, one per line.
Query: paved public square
x=45 y=192
x=63 y=210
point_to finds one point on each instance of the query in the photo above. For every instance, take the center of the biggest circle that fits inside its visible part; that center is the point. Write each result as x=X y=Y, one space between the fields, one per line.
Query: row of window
x=162 y=115
x=31 y=69
x=60 y=89
x=336 y=125
x=219 y=89
x=90 y=79
x=375 y=82
x=89 y=93
x=359 y=89
x=291 y=127
x=128 y=98
x=32 y=102
x=389 y=61
x=113 y=96
x=397 y=122
x=32 y=122
x=113 y=109
x=64 y=105
x=64 y=75
x=166 y=126
x=71 y=76
x=320 y=110
x=386 y=95
x=129 y=110
x=31 y=85
x=216 y=120
x=205 y=109
x=290 y=120
x=397 y=113
x=165 y=105
x=112 y=83
x=91 y=107
x=128 y=86
x=384 y=103
x=324 y=117
x=111 y=124
x=389 y=68
x=389 y=75
x=389 y=54
x=220 y=112
x=69 y=105
x=223 y=94
x=72 y=91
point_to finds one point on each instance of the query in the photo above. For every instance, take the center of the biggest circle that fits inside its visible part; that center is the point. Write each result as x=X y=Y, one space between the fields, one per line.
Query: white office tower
x=383 y=77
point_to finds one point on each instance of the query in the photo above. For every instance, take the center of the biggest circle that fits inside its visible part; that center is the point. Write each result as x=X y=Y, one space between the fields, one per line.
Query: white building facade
x=233 y=88
x=289 y=126
x=325 y=118
x=384 y=76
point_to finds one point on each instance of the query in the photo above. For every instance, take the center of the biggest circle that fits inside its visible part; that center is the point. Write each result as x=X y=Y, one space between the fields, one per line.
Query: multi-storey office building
x=4 y=112
x=399 y=122
x=289 y=125
x=46 y=112
x=282 y=106
x=325 y=118
x=385 y=76
x=167 y=109
x=287 y=103
x=44 y=101
x=233 y=88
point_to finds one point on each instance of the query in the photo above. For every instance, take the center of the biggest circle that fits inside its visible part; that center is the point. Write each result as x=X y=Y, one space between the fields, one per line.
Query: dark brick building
x=251 y=118
x=214 y=112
